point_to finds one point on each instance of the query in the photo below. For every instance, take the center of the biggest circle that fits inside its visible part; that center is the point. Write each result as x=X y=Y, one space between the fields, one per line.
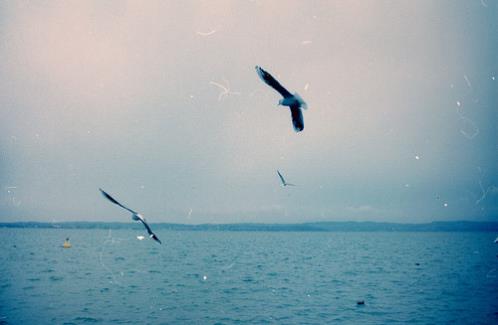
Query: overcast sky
x=402 y=122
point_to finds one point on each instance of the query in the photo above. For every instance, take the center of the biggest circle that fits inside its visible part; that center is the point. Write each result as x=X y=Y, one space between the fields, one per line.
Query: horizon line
x=256 y=223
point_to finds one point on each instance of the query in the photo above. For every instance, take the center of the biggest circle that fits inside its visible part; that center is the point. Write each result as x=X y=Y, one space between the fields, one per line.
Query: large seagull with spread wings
x=294 y=101
x=135 y=215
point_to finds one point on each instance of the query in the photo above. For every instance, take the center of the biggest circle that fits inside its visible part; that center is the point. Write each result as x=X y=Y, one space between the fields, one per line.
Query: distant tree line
x=311 y=226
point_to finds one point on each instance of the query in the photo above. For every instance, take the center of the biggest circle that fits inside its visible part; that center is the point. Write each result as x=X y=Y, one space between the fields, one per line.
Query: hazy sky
x=402 y=122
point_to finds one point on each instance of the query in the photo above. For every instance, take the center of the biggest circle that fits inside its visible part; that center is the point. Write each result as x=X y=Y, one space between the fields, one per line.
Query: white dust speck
x=467 y=81
x=417 y=157
x=307 y=42
x=470 y=130
x=445 y=204
x=493 y=78
x=211 y=32
x=306 y=87
x=458 y=103
x=407 y=185
x=205 y=277
x=484 y=191
x=224 y=89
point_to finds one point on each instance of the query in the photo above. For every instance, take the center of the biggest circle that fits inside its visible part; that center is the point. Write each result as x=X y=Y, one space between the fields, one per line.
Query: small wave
x=86 y=319
x=56 y=278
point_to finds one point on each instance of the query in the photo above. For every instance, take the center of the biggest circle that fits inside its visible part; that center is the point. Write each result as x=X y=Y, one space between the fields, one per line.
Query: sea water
x=111 y=277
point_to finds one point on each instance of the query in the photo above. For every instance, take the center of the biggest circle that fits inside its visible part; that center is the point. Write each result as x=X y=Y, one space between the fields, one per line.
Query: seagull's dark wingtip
x=156 y=239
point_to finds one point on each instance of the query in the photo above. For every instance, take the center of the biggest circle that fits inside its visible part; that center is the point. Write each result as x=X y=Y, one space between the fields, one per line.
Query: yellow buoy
x=66 y=244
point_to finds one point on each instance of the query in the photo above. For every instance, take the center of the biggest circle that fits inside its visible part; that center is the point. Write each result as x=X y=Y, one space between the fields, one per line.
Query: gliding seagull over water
x=135 y=215
x=282 y=179
x=295 y=102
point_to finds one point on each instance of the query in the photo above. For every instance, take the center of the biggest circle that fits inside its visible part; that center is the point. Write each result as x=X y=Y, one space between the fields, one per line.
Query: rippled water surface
x=110 y=277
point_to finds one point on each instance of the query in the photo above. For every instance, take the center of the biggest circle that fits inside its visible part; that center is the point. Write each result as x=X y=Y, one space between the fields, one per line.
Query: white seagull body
x=294 y=101
x=282 y=179
x=135 y=215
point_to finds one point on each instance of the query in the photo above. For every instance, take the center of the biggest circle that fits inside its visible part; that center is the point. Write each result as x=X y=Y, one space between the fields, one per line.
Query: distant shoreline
x=349 y=226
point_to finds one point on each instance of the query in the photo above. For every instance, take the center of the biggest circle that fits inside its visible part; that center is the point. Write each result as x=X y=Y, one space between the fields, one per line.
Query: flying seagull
x=282 y=179
x=295 y=102
x=135 y=215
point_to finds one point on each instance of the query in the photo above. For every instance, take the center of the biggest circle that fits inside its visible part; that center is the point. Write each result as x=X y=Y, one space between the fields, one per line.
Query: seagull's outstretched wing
x=284 y=183
x=152 y=235
x=110 y=198
x=281 y=178
x=272 y=82
x=297 y=118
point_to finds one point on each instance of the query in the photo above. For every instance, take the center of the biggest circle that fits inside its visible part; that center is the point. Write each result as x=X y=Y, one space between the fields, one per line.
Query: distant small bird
x=135 y=215
x=360 y=302
x=295 y=102
x=282 y=179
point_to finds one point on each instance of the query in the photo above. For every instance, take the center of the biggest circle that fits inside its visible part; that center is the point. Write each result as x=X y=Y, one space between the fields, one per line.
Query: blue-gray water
x=110 y=277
